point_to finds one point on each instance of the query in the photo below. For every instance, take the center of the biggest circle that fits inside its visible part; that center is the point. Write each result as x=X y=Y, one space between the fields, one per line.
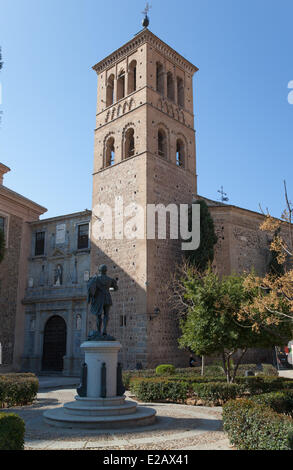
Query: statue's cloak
x=98 y=293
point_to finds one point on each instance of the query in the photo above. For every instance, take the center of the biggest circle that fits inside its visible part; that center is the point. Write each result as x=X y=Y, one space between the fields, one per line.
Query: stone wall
x=9 y=278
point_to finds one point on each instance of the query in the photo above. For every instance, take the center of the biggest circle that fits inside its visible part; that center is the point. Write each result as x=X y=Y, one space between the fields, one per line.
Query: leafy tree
x=209 y=321
x=275 y=268
x=204 y=255
x=2 y=245
x=274 y=300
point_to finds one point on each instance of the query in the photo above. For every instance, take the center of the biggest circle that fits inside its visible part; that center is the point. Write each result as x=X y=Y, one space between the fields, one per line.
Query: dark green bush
x=190 y=371
x=261 y=384
x=216 y=393
x=267 y=369
x=151 y=390
x=280 y=402
x=214 y=371
x=254 y=426
x=17 y=389
x=12 y=430
x=165 y=369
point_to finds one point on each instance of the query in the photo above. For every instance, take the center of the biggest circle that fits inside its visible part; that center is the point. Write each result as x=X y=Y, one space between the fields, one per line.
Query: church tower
x=144 y=154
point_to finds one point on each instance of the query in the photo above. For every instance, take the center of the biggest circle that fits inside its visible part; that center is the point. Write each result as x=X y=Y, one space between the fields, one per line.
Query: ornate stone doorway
x=54 y=346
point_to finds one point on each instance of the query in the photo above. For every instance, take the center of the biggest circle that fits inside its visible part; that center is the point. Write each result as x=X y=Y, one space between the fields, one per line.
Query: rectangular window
x=2 y=224
x=40 y=244
x=122 y=320
x=83 y=237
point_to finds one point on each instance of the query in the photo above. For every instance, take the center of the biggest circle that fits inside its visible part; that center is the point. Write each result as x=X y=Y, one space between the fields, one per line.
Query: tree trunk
x=202 y=366
x=225 y=366
x=237 y=364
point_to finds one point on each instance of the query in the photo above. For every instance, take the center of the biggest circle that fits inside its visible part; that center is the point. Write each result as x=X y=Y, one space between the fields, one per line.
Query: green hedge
x=280 y=402
x=205 y=390
x=267 y=369
x=211 y=373
x=178 y=391
x=151 y=390
x=216 y=393
x=165 y=369
x=262 y=384
x=12 y=430
x=254 y=426
x=17 y=389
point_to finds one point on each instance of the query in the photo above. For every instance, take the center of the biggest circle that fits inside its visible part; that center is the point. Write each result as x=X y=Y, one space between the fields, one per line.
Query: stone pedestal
x=101 y=408
x=97 y=354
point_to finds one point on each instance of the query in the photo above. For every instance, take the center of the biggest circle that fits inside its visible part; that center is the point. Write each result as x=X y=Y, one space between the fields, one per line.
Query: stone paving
x=178 y=427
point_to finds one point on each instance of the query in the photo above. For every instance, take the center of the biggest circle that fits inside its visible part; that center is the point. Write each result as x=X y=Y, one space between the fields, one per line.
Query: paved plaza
x=178 y=427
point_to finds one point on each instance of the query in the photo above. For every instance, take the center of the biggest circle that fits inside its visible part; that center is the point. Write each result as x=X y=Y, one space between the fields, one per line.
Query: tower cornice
x=141 y=38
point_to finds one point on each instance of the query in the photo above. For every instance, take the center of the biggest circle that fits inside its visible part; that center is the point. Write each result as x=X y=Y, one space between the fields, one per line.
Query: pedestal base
x=102 y=408
x=104 y=413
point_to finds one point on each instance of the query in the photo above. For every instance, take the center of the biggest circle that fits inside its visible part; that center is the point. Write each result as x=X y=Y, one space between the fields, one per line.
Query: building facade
x=16 y=213
x=144 y=155
x=56 y=296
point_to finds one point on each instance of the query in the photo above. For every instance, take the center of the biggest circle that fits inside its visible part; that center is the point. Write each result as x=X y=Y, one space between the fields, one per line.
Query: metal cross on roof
x=147 y=9
x=224 y=197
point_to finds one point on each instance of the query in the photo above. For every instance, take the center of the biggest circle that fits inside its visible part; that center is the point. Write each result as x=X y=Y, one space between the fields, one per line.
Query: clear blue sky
x=244 y=50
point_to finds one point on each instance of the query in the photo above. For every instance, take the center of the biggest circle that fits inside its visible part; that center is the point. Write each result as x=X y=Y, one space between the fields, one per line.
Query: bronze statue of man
x=99 y=298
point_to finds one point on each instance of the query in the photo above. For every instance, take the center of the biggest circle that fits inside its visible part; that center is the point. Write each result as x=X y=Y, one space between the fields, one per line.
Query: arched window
x=110 y=152
x=121 y=85
x=180 y=153
x=162 y=143
x=110 y=91
x=180 y=92
x=132 y=77
x=160 y=78
x=129 y=143
x=170 y=86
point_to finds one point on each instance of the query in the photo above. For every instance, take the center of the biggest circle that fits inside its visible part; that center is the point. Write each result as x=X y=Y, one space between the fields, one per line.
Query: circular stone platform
x=101 y=413
x=102 y=407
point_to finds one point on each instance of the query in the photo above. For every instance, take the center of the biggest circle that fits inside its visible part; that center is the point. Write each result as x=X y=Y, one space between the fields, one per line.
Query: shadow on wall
x=139 y=318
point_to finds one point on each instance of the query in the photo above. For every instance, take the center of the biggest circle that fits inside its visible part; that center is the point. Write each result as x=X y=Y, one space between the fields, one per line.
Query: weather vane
x=146 y=20
x=224 y=197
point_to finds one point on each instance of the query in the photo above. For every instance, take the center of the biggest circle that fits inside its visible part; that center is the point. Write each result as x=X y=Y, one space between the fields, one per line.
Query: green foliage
x=165 y=369
x=207 y=390
x=280 y=402
x=204 y=255
x=2 y=245
x=216 y=393
x=151 y=390
x=17 y=389
x=267 y=369
x=211 y=325
x=12 y=429
x=261 y=384
x=253 y=426
x=211 y=374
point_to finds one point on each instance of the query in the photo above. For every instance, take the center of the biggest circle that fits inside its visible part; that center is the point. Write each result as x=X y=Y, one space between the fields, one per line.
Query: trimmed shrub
x=165 y=369
x=253 y=426
x=280 y=402
x=216 y=393
x=214 y=371
x=151 y=390
x=12 y=430
x=190 y=371
x=17 y=389
x=267 y=369
x=261 y=384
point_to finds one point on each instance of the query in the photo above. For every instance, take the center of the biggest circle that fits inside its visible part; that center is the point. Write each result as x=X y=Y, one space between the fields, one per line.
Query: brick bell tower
x=145 y=154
